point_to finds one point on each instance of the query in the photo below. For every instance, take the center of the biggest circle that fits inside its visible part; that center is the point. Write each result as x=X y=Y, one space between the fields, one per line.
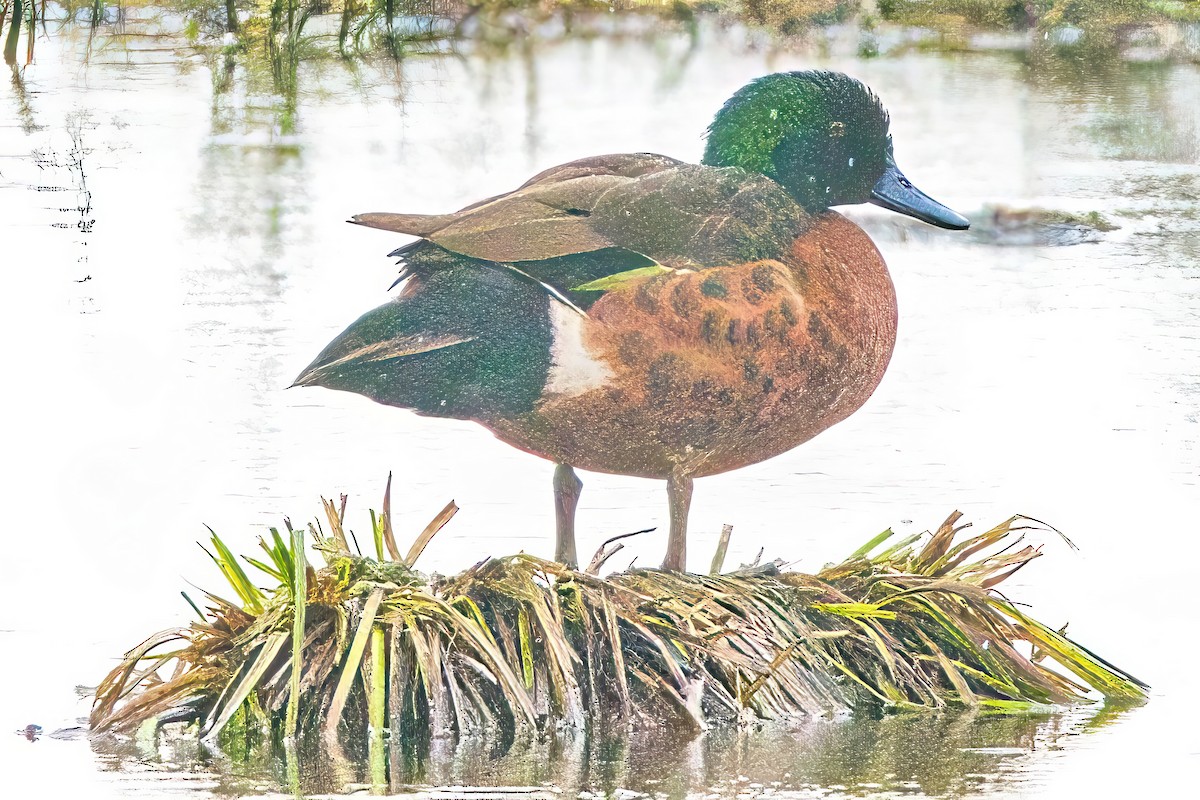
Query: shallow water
x=147 y=400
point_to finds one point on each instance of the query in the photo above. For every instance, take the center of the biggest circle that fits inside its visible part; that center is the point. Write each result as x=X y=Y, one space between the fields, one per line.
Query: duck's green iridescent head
x=824 y=137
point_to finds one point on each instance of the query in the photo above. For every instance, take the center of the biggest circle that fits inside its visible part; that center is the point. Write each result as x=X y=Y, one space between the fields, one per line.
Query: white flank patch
x=573 y=370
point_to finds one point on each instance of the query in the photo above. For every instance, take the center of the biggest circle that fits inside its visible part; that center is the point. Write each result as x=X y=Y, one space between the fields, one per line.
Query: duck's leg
x=566 y=496
x=679 y=498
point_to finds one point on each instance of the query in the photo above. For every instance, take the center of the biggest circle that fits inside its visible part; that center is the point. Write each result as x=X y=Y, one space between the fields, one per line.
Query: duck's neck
x=844 y=272
x=810 y=195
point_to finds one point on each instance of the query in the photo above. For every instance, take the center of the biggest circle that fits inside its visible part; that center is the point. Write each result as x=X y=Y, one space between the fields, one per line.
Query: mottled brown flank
x=711 y=380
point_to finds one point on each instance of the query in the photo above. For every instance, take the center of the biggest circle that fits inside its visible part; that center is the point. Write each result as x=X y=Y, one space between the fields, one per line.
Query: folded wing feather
x=674 y=214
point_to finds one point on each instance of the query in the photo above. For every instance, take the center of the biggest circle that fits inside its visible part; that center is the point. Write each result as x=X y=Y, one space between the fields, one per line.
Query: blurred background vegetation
x=262 y=43
x=281 y=28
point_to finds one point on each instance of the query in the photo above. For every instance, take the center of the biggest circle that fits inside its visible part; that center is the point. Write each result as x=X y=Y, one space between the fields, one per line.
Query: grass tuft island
x=362 y=646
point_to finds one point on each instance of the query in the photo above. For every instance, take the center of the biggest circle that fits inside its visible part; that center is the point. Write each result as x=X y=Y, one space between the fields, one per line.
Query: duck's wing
x=541 y=219
x=623 y=165
x=461 y=340
x=654 y=209
x=695 y=216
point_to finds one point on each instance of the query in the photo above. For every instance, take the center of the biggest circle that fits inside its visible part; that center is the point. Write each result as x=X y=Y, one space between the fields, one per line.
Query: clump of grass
x=519 y=643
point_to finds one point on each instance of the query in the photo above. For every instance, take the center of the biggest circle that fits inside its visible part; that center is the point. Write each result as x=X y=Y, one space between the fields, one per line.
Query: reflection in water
x=21 y=95
x=914 y=755
x=1137 y=108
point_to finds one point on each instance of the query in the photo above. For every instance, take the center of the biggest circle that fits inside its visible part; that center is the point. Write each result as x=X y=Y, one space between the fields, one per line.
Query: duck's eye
x=837 y=129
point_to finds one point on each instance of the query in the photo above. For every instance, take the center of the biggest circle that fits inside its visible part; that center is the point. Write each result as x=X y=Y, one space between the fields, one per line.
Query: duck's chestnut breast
x=719 y=368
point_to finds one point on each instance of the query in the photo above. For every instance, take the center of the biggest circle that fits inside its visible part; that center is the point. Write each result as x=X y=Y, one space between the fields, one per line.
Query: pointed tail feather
x=402 y=251
x=412 y=224
x=395 y=347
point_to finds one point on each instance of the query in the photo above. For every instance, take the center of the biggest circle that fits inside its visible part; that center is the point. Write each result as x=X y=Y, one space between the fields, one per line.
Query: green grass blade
x=871 y=545
x=855 y=610
x=1102 y=676
x=377 y=712
x=299 y=600
x=377 y=525
x=474 y=613
x=270 y=648
x=250 y=595
x=280 y=555
x=274 y=573
x=195 y=607
x=526 y=645
x=358 y=646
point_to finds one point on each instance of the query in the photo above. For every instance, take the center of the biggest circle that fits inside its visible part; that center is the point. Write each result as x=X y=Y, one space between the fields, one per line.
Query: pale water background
x=1059 y=382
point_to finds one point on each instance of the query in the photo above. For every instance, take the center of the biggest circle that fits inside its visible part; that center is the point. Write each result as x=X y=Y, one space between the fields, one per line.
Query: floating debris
x=30 y=732
x=1006 y=225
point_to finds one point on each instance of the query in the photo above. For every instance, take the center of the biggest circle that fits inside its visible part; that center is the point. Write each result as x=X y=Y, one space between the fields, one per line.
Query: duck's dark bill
x=895 y=192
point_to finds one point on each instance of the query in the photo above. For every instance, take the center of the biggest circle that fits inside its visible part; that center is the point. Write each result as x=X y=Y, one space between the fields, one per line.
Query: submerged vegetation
x=366 y=647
